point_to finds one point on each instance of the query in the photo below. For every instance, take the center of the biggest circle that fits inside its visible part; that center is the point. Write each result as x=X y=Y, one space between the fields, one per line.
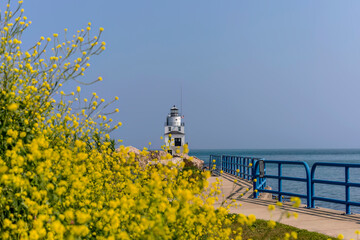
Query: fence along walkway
x=322 y=220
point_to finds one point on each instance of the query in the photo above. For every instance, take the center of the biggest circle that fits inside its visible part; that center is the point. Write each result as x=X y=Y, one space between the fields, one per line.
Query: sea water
x=310 y=156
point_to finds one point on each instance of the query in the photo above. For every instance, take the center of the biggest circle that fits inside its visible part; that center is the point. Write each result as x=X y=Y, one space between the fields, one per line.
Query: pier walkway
x=321 y=220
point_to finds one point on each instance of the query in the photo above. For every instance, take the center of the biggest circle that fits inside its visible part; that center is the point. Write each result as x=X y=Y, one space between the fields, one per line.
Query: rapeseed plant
x=60 y=176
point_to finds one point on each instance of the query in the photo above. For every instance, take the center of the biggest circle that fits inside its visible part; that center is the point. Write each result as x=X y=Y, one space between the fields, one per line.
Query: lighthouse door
x=177 y=142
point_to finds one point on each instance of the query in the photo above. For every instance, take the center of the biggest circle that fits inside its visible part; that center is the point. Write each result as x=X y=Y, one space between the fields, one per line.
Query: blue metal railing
x=235 y=165
x=238 y=166
x=346 y=183
x=259 y=186
x=215 y=164
x=248 y=168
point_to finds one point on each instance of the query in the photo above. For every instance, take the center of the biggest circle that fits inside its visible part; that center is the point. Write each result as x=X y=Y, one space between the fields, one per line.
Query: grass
x=260 y=231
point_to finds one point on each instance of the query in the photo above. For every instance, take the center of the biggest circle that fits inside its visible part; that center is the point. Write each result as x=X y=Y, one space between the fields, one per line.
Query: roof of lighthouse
x=175 y=133
x=174 y=108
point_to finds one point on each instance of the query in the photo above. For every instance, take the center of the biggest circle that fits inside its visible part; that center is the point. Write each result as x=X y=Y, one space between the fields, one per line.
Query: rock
x=164 y=158
x=176 y=161
x=191 y=161
x=134 y=150
x=143 y=160
x=160 y=155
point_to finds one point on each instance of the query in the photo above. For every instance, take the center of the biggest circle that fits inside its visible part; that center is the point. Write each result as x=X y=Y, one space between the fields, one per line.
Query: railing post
x=263 y=182
x=222 y=163
x=347 y=190
x=237 y=166
x=245 y=166
x=254 y=176
x=241 y=164
x=253 y=164
x=234 y=164
x=312 y=188
x=308 y=185
x=226 y=164
x=230 y=165
x=219 y=164
x=279 y=182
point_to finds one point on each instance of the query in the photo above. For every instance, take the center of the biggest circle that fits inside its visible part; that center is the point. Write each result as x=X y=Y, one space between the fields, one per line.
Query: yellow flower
x=294 y=235
x=271 y=207
x=78 y=89
x=340 y=236
x=271 y=224
x=82 y=217
x=251 y=218
x=7 y=223
x=13 y=107
x=296 y=201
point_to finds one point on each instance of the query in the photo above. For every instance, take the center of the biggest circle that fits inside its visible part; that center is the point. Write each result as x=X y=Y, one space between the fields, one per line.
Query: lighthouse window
x=179 y=128
x=169 y=128
x=177 y=142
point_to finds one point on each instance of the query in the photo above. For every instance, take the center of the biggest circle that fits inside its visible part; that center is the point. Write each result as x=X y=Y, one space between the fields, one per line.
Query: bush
x=59 y=174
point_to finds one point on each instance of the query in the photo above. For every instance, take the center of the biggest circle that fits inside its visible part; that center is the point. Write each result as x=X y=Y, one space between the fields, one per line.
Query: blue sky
x=255 y=74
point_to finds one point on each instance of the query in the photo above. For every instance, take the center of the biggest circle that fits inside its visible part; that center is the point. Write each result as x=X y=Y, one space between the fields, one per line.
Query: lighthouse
x=174 y=135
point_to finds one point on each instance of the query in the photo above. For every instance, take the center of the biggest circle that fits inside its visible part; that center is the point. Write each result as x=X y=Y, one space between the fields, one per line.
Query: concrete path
x=322 y=220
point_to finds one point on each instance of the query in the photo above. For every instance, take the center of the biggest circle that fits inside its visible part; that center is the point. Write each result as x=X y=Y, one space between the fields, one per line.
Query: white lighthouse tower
x=174 y=131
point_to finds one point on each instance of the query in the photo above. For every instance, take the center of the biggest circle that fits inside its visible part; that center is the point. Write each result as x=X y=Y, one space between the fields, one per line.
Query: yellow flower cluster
x=60 y=176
